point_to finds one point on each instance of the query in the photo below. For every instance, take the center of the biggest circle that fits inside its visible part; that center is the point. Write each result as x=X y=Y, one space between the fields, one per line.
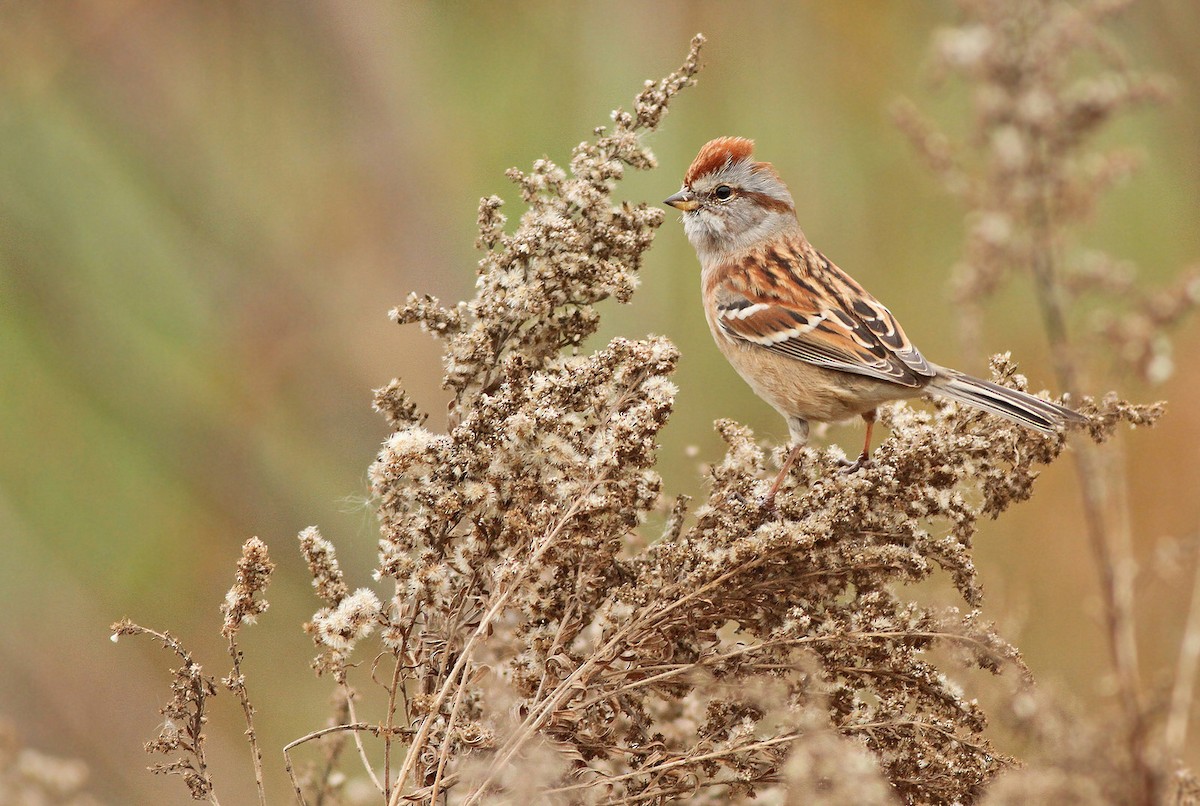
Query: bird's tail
x=1025 y=409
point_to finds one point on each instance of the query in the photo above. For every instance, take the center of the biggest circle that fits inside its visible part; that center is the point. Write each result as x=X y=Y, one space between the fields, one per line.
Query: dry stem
x=236 y=682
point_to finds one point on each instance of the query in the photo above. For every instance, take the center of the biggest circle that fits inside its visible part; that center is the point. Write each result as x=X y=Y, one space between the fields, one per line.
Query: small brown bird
x=807 y=338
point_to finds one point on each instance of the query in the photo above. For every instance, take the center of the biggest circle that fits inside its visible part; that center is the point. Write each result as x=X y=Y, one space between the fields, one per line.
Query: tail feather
x=1020 y=407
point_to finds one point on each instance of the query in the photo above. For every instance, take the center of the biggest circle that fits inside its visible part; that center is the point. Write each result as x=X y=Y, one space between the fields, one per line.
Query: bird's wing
x=826 y=319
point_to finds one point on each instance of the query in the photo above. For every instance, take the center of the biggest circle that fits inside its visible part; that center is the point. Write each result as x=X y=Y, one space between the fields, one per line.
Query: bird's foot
x=858 y=464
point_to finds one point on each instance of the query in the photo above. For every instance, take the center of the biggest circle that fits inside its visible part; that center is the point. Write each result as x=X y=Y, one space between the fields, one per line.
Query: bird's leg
x=798 y=430
x=865 y=457
x=793 y=455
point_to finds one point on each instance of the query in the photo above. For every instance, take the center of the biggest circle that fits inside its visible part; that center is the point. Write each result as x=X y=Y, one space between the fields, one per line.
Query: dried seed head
x=242 y=605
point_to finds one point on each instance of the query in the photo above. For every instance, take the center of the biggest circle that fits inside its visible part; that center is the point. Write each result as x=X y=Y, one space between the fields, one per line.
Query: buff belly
x=804 y=391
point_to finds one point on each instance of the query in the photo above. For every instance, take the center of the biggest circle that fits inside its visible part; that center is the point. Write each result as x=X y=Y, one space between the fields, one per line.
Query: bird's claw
x=858 y=464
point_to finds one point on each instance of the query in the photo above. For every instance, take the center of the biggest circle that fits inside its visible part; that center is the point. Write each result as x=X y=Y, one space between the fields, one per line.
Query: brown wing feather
x=835 y=323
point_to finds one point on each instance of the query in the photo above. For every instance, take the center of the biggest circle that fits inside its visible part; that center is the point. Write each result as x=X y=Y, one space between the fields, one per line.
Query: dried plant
x=243 y=605
x=537 y=653
x=534 y=644
x=185 y=716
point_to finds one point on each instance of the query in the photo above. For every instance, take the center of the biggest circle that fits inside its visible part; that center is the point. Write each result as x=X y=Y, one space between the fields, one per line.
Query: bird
x=806 y=337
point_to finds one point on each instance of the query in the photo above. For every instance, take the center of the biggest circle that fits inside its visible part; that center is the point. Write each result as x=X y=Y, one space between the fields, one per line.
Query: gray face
x=736 y=207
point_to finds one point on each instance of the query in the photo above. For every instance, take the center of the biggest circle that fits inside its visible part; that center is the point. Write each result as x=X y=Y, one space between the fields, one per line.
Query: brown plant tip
x=242 y=603
x=393 y=402
x=323 y=565
x=339 y=628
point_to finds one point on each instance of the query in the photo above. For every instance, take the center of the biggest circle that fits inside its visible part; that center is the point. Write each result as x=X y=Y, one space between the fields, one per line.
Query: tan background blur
x=206 y=211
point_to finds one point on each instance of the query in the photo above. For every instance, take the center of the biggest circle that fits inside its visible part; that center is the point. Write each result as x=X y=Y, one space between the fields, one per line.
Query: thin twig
x=675 y=670
x=444 y=754
x=316 y=734
x=391 y=710
x=236 y=682
x=568 y=613
x=332 y=755
x=362 y=751
x=912 y=723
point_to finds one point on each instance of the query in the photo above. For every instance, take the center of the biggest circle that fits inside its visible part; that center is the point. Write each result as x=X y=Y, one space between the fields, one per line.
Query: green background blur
x=207 y=209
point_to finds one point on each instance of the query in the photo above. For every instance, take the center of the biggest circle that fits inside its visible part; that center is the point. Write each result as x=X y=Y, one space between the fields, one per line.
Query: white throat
x=716 y=238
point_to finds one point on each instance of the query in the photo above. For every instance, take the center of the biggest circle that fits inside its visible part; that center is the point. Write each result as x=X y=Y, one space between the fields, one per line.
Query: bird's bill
x=682 y=201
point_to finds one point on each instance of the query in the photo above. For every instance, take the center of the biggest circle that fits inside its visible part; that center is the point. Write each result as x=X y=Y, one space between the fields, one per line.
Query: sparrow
x=805 y=336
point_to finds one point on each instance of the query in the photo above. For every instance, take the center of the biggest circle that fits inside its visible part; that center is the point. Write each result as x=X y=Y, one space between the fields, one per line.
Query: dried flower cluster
x=185 y=716
x=243 y=604
x=348 y=618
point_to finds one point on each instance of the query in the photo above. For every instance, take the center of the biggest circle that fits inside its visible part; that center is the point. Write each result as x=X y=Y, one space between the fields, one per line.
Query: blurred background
x=207 y=209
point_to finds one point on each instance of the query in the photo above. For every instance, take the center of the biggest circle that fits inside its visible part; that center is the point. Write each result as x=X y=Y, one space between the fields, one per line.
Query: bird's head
x=729 y=201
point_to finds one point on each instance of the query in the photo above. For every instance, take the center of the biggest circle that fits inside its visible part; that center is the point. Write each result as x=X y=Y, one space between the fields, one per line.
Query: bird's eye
x=723 y=193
